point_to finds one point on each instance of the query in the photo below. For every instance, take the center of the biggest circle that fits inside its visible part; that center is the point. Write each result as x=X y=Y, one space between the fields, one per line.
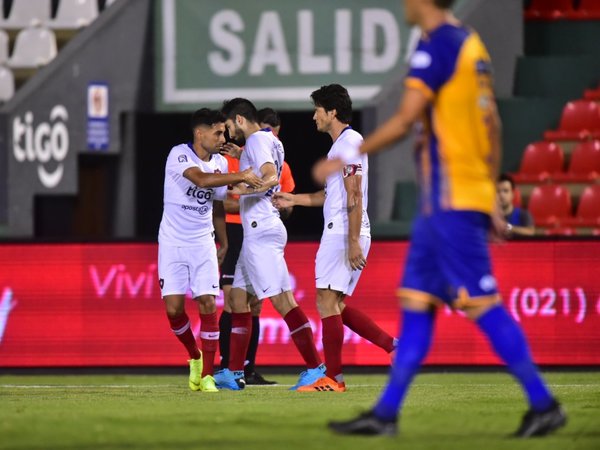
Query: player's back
x=452 y=67
x=257 y=210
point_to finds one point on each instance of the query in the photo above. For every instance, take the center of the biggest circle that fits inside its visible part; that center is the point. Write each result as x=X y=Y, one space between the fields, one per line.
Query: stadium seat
x=587 y=9
x=4 y=40
x=549 y=9
x=540 y=160
x=517 y=197
x=26 y=13
x=550 y=204
x=7 y=84
x=592 y=94
x=580 y=119
x=588 y=210
x=584 y=165
x=74 y=14
x=34 y=47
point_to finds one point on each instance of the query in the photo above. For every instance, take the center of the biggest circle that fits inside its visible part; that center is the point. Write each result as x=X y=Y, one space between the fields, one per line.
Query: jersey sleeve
x=258 y=149
x=286 y=181
x=178 y=162
x=429 y=69
x=352 y=159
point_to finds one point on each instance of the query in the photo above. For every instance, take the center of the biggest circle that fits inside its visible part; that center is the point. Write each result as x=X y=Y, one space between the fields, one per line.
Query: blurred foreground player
x=195 y=186
x=449 y=89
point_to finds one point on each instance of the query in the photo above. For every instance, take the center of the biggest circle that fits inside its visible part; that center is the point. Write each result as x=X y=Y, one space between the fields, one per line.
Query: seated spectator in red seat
x=520 y=222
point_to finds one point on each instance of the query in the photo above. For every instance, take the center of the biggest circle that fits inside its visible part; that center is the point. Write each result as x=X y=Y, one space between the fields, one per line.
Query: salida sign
x=99 y=305
x=275 y=51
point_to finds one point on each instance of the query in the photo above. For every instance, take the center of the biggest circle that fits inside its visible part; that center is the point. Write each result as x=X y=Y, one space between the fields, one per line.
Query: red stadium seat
x=550 y=204
x=540 y=161
x=592 y=94
x=580 y=119
x=588 y=9
x=549 y=9
x=588 y=210
x=517 y=198
x=584 y=165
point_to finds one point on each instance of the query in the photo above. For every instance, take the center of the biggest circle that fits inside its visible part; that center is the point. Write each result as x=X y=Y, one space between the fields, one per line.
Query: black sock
x=224 y=338
x=253 y=346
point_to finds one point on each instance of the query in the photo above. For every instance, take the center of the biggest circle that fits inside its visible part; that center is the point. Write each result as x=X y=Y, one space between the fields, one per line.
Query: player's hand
x=325 y=167
x=355 y=256
x=221 y=252
x=283 y=200
x=251 y=179
x=232 y=150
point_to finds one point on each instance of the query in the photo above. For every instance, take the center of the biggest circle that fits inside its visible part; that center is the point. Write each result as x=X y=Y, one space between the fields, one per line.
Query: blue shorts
x=449 y=260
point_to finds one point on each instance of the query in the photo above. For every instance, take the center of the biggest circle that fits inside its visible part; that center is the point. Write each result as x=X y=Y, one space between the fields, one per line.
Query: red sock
x=241 y=328
x=209 y=336
x=302 y=335
x=364 y=326
x=333 y=338
x=180 y=325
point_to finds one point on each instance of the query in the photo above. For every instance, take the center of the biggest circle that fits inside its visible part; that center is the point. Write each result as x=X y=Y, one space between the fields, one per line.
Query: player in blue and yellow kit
x=449 y=95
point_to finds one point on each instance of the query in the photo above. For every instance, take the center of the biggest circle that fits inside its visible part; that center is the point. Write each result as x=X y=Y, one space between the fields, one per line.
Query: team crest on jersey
x=182 y=158
x=351 y=169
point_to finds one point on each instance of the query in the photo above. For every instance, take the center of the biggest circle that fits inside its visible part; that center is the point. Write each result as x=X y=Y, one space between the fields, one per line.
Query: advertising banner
x=99 y=305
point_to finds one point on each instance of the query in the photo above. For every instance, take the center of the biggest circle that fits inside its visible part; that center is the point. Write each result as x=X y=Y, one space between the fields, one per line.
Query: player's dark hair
x=269 y=116
x=506 y=177
x=443 y=4
x=334 y=96
x=242 y=107
x=207 y=117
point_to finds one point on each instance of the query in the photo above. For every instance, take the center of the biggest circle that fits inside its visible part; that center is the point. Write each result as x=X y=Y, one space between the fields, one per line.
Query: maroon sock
x=241 y=328
x=364 y=326
x=302 y=336
x=333 y=338
x=209 y=337
x=180 y=325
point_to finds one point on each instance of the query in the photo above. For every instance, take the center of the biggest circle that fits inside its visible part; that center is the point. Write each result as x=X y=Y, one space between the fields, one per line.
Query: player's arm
x=220 y=230
x=287 y=199
x=210 y=180
x=232 y=205
x=268 y=178
x=354 y=205
x=411 y=108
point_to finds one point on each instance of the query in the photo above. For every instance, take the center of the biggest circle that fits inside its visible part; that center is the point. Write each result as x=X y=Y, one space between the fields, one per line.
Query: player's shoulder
x=260 y=138
x=180 y=153
x=220 y=161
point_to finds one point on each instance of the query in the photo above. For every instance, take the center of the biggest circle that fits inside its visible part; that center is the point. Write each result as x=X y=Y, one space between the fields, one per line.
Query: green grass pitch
x=443 y=411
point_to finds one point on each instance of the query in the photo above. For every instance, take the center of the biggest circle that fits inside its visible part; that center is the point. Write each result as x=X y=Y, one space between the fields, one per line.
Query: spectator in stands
x=518 y=220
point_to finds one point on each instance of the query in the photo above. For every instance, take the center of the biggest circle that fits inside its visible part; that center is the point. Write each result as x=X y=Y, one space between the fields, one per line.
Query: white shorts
x=261 y=269
x=189 y=268
x=332 y=268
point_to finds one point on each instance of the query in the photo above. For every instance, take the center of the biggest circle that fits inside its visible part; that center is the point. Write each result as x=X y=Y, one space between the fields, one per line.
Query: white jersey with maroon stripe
x=335 y=209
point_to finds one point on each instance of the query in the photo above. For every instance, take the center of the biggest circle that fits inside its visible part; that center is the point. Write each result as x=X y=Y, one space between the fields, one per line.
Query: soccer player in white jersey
x=196 y=182
x=346 y=236
x=261 y=267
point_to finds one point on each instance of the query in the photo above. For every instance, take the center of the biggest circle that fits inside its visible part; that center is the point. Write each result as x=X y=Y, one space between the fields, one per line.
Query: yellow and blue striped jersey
x=451 y=66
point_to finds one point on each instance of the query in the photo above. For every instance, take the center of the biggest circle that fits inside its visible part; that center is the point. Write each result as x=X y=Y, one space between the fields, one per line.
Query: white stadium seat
x=26 y=13
x=34 y=47
x=74 y=14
